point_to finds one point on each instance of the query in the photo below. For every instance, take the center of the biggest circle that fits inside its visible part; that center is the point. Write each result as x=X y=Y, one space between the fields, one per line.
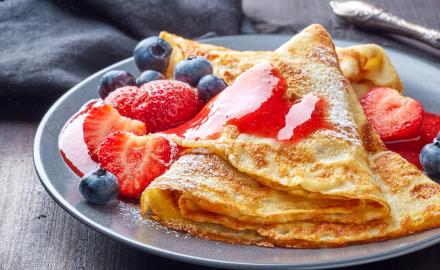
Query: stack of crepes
x=336 y=186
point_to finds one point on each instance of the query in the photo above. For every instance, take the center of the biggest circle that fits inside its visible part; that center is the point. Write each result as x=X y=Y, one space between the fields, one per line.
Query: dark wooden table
x=35 y=233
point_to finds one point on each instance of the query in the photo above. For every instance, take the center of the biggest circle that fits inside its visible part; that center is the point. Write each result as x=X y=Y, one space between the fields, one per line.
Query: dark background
x=46 y=47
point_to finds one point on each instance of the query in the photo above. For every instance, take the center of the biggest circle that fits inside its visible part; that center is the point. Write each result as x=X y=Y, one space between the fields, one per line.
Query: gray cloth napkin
x=46 y=47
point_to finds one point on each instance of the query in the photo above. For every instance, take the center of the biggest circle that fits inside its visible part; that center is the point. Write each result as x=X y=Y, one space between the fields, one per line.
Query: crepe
x=337 y=186
x=365 y=66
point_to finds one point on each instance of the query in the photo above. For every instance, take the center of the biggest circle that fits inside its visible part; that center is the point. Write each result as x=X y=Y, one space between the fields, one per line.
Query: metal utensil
x=367 y=15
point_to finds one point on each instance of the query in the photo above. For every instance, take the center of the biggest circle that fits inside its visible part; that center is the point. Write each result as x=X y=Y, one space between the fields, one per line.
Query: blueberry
x=430 y=159
x=192 y=70
x=153 y=53
x=113 y=80
x=99 y=187
x=209 y=86
x=148 y=76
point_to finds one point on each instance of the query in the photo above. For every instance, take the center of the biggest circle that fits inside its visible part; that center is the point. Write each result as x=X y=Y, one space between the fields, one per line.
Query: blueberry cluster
x=197 y=71
x=152 y=56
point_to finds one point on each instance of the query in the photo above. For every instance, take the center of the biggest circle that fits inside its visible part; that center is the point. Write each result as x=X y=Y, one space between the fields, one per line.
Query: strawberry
x=430 y=127
x=136 y=160
x=125 y=100
x=411 y=149
x=392 y=115
x=160 y=104
x=102 y=121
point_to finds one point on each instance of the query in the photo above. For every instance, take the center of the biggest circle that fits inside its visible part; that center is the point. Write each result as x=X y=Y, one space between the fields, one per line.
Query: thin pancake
x=309 y=65
x=335 y=198
x=365 y=66
x=223 y=199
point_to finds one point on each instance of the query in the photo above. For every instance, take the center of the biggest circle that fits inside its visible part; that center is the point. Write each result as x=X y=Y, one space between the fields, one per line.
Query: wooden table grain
x=35 y=233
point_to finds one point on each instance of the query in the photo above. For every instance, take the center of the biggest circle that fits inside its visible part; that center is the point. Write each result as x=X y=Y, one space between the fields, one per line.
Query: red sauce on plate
x=71 y=143
x=410 y=149
x=256 y=105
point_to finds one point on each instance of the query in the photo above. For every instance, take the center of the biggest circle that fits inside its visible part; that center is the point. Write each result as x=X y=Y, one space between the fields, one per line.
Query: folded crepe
x=337 y=185
x=365 y=66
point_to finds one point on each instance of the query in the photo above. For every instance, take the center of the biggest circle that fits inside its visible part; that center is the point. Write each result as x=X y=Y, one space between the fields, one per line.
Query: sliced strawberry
x=160 y=104
x=102 y=121
x=136 y=160
x=392 y=115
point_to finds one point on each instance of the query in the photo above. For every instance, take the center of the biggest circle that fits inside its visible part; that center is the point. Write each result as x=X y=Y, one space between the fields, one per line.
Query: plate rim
x=59 y=199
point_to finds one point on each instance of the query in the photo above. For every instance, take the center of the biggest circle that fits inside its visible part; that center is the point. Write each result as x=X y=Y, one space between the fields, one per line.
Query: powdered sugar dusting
x=328 y=82
x=325 y=55
x=130 y=213
x=132 y=217
x=340 y=136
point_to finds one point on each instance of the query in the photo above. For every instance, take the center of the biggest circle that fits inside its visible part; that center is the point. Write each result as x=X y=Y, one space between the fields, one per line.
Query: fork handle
x=366 y=15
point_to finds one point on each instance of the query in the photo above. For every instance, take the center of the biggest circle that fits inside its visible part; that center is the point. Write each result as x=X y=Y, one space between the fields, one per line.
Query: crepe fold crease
x=337 y=186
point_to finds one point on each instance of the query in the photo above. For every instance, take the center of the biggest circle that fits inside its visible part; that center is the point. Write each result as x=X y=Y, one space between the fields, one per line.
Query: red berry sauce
x=71 y=143
x=256 y=105
x=410 y=149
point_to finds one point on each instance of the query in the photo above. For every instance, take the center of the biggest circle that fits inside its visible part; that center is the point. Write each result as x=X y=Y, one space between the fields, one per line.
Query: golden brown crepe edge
x=364 y=65
x=411 y=227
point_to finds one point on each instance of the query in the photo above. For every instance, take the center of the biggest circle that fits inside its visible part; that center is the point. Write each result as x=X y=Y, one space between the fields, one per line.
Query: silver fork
x=367 y=15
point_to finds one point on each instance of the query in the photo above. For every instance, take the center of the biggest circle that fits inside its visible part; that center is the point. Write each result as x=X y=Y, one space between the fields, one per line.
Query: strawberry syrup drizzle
x=255 y=104
x=71 y=143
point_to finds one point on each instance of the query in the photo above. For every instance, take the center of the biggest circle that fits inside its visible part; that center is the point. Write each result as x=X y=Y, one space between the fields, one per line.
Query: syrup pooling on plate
x=256 y=105
x=410 y=148
x=71 y=143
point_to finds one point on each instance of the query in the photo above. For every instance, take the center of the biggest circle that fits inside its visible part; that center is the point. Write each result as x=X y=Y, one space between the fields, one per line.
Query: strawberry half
x=160 y=104
x=101 y=121
x=392 y=115
x=136 y=160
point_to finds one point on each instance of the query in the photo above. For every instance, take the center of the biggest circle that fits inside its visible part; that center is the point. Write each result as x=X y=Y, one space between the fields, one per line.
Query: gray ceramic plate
x=121 y=220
